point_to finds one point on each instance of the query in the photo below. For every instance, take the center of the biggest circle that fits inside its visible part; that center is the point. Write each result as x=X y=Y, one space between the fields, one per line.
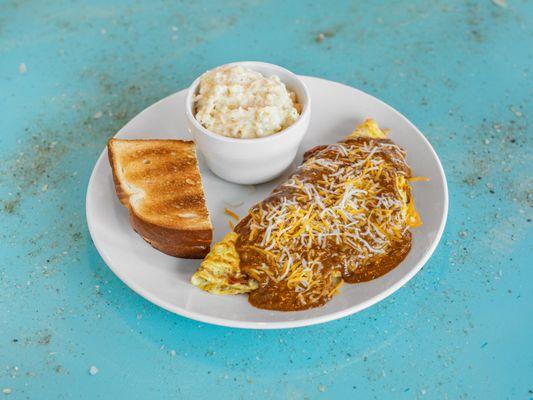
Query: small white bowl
x=258 y=160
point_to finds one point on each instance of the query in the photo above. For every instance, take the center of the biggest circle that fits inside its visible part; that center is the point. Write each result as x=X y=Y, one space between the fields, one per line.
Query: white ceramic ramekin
x=251 y=161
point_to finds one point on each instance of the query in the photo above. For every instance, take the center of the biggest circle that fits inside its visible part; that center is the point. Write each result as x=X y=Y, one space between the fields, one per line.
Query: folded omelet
x=219 y=273
x=343 y=216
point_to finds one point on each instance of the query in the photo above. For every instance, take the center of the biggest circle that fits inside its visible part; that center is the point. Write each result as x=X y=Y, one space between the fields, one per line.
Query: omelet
x=343 y=216
x=220 y=272
x=369 y=128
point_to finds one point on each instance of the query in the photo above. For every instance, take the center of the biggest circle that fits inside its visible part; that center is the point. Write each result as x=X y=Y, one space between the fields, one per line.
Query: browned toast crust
x=184 y=243
x=174 y=242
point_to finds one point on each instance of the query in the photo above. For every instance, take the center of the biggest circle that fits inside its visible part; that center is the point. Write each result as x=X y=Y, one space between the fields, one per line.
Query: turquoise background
x=460 y=70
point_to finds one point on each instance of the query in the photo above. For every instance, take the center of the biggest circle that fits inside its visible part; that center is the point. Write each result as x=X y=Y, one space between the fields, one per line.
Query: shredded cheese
x=227 y=211
x=350 y=202
x=418 y=179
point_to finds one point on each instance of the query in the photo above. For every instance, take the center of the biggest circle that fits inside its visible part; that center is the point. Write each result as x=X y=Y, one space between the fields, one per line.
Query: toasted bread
x=159 y=183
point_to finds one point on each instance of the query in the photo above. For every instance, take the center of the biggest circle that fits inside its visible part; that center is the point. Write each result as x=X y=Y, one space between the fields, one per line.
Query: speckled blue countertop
x=72 y=73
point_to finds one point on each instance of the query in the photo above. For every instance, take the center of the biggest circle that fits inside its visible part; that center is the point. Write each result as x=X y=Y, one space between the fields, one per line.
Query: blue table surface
x=72 y=73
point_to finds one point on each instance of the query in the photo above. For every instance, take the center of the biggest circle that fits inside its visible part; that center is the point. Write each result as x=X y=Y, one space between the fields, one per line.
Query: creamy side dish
x=238 y=102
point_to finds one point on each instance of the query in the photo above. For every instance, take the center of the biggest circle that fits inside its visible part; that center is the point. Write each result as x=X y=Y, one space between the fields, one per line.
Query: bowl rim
x=305 y=114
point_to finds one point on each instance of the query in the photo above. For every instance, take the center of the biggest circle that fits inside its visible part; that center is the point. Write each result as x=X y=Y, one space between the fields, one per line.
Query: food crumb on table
x=500 y=3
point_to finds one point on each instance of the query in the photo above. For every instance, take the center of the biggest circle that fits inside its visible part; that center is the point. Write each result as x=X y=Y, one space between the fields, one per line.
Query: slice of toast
x=159 y=183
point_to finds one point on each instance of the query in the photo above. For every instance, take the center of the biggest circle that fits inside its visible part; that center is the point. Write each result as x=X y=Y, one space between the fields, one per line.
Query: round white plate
x=164 y=280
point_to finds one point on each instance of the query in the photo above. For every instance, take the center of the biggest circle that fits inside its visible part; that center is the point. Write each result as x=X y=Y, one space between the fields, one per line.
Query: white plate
x=164 y=280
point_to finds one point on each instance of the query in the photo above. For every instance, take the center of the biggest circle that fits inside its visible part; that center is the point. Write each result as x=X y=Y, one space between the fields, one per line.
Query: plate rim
x=282 y=324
